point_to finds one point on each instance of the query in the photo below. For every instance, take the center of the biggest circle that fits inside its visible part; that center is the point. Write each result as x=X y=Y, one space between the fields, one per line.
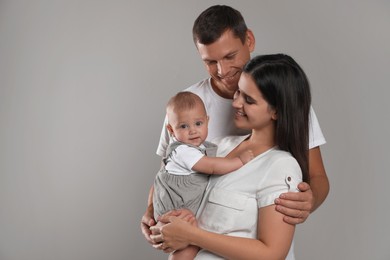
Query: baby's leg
x=187 y=253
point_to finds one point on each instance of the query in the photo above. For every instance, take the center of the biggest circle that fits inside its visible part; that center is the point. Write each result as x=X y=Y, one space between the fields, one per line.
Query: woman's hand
x=170 y=235
x=296 y=206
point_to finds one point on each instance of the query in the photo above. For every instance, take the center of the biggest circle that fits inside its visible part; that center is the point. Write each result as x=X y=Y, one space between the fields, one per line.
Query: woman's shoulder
x=279 y=156
x=282 y=161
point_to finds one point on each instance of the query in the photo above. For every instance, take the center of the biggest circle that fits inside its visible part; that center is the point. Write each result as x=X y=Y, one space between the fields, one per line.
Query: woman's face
x=252 y=110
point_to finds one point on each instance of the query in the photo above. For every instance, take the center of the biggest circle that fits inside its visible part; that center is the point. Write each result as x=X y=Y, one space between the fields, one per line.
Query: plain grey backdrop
x=83 y=85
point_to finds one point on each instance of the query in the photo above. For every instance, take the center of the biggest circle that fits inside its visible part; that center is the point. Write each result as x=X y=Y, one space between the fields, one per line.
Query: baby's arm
x=221 y=165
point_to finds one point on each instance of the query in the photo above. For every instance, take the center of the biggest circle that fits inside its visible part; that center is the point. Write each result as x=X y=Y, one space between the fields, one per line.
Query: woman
x=237 y=218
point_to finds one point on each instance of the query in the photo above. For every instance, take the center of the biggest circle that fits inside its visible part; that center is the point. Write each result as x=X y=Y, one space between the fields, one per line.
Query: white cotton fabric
x=231 y=202
x=182 y=159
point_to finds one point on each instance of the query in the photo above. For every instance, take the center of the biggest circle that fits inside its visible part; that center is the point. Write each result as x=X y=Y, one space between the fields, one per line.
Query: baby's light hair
x=184 y=101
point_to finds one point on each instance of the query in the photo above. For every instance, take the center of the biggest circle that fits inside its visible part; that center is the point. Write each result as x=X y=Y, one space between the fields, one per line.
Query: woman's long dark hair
x=285 y=87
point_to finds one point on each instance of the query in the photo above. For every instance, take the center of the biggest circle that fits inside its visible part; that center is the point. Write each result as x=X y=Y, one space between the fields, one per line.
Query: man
x=224 y=44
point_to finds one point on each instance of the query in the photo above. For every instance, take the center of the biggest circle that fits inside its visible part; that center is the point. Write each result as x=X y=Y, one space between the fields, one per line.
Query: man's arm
x=297 y=206
x=147 y=219
x=319 y=182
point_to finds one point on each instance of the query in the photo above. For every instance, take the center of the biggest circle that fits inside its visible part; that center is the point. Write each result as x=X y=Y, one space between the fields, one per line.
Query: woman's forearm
x=231 y=247
x=274 y=239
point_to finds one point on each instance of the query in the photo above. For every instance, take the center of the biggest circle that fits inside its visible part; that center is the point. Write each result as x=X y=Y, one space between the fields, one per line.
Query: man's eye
x=231 y=57
x=210 y=62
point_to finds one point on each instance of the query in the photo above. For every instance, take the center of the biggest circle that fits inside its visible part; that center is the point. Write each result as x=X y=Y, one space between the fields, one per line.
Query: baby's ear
x=170 y=129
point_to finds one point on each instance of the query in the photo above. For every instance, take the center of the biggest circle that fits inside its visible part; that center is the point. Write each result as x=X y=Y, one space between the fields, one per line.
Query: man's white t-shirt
x=221 y=123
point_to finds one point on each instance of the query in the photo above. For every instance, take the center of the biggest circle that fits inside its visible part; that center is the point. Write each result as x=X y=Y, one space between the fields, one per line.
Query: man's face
x=224 y=60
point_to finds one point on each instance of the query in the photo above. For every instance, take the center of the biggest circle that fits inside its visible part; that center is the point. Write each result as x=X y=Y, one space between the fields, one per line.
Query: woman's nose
x=237 y=102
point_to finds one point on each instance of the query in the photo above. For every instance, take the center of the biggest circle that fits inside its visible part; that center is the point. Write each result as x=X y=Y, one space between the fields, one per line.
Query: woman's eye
x=249 y=100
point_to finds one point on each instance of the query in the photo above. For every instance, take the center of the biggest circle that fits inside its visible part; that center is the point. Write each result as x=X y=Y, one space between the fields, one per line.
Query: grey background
x=83 y=85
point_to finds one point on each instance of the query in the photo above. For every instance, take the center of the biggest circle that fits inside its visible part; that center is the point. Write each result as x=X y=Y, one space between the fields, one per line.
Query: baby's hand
x=246 y=156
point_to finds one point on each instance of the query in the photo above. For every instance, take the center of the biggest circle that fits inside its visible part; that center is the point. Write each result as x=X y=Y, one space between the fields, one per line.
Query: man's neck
x=221 y=90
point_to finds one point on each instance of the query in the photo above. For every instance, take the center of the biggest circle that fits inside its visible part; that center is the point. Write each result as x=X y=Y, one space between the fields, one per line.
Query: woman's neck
x=259 y=142
x=264 y=137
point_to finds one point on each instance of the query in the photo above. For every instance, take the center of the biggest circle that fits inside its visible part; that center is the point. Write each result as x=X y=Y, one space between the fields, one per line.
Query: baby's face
x=189 y=126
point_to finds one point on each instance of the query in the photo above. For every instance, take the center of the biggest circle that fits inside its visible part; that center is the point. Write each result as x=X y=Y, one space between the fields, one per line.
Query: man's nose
x=222 y=68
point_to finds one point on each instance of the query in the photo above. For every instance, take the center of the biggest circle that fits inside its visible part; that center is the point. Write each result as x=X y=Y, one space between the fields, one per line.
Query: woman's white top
x=231 y=201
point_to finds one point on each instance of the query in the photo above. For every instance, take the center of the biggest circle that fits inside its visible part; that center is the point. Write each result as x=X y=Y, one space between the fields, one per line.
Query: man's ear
x=250 y=40
x=170 y=130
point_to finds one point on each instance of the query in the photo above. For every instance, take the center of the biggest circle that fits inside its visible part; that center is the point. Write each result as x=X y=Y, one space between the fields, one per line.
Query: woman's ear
x=274 y=115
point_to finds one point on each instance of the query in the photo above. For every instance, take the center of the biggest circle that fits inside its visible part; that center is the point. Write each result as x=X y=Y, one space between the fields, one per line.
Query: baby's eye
x=183 y=126
x=199 y=123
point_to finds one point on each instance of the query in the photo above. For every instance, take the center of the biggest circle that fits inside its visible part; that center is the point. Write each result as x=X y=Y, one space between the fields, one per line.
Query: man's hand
x=296 y=206
x=148 y=221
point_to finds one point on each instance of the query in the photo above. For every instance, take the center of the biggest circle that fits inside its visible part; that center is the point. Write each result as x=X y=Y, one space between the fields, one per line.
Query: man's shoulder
x=199 y=87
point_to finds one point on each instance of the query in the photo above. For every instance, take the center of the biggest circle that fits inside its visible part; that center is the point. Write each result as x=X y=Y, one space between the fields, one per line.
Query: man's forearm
x=319 y=183
x=150 y=197
x=320 y=188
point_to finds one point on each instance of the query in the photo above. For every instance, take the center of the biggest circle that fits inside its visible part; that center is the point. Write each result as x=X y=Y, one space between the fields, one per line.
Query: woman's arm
x=274 y=238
